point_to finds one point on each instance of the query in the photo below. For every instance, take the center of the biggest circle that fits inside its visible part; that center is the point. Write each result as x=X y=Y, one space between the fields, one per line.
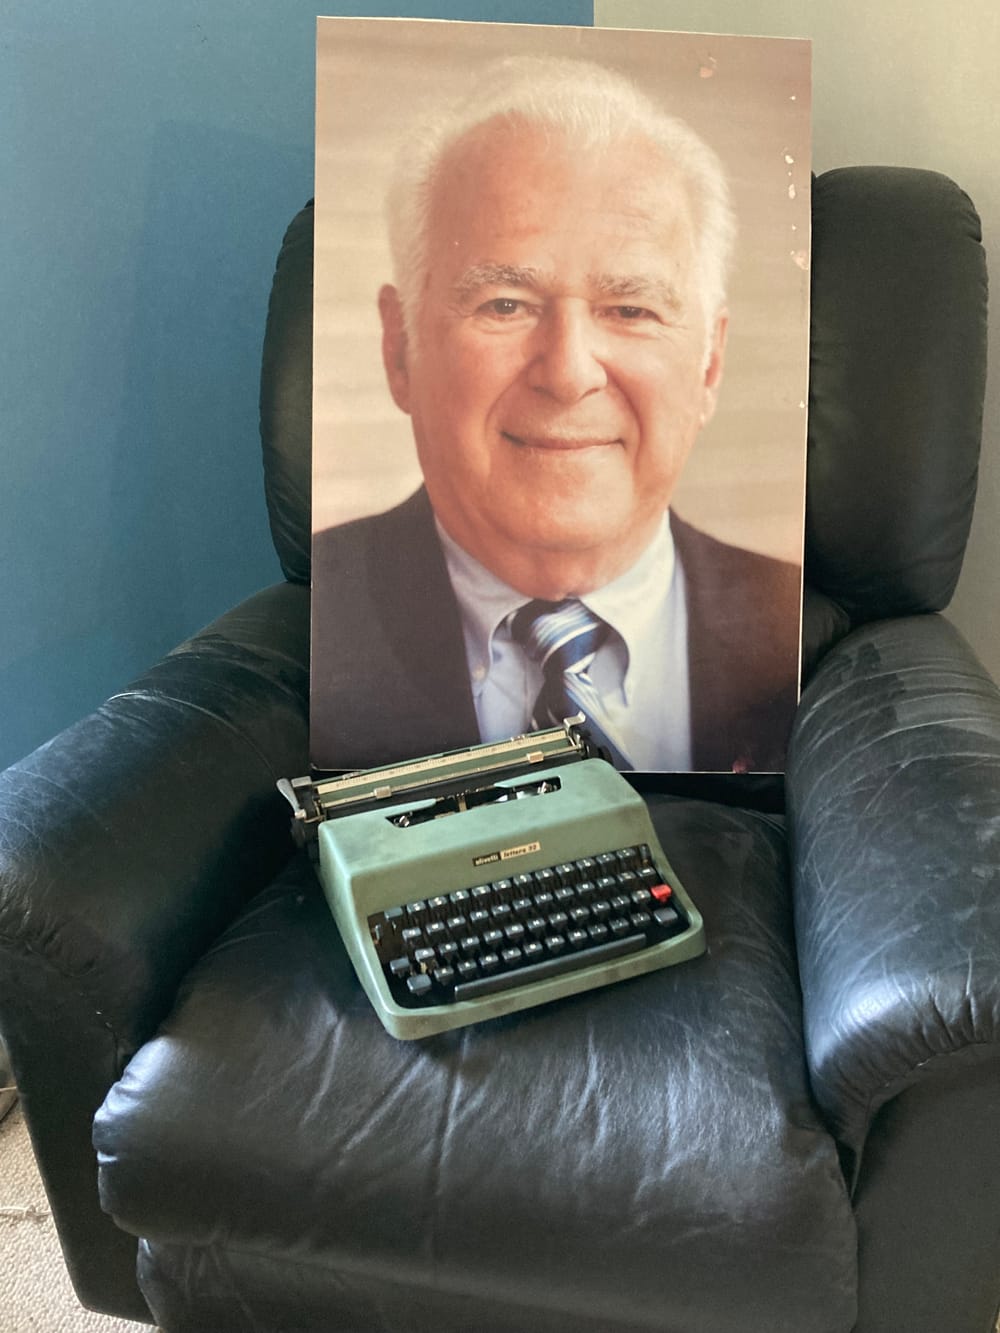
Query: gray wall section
x=903 y=83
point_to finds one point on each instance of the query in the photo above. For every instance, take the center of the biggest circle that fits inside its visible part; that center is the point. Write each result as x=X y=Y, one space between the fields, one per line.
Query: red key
x=661 y=892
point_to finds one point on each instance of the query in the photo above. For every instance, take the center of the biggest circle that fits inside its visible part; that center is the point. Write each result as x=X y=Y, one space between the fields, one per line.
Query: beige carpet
x=35 y=1292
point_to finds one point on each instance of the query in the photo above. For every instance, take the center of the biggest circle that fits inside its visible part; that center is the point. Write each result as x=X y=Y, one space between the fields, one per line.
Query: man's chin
x=577 y=528
x=562 y=558
x=551 y=544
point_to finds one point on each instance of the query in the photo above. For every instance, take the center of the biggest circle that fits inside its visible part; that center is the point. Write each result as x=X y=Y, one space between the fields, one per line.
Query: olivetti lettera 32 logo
x=506 y=854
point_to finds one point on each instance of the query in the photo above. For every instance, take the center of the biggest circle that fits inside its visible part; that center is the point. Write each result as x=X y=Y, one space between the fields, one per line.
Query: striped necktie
x=563 y=638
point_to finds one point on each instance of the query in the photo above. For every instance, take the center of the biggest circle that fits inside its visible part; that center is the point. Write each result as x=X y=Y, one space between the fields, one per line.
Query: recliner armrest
x=893 y=791
x=126 y=844
x=129 y=840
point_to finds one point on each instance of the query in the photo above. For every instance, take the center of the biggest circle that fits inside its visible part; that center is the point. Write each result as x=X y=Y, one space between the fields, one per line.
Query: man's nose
x=567 y=354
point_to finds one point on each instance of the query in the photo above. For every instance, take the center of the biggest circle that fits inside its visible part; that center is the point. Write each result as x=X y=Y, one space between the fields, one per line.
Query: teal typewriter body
x=484 y=881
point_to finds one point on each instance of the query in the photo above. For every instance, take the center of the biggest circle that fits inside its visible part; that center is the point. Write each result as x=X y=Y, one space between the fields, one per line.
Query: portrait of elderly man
x=555 y=332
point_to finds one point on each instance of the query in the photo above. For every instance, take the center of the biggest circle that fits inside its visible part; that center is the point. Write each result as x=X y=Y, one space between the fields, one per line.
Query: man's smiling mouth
x=558 y=443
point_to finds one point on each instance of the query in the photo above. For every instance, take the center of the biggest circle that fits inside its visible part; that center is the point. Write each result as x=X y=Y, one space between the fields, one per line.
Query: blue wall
x=151 y=157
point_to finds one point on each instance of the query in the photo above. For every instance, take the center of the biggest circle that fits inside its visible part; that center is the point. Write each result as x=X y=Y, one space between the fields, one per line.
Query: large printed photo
x=560 y=385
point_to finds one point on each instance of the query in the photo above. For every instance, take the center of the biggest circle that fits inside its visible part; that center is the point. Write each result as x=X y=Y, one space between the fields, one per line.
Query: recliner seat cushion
x=640 y=1157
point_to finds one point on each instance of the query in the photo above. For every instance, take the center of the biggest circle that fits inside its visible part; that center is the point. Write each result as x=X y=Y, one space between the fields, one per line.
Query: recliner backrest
x=897 y=376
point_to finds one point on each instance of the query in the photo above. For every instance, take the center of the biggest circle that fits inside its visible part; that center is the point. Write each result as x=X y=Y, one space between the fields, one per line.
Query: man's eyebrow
x=636 y=287
x=478 y=276
x=624 y=287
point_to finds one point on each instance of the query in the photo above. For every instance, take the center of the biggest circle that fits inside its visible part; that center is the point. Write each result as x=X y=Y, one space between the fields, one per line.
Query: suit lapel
x=424 y=634
x=389 y=676
x=739 y=615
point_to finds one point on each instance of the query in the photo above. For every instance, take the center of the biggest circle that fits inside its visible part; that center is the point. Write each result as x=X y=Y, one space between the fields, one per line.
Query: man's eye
x=502 y=307
x=632 y=312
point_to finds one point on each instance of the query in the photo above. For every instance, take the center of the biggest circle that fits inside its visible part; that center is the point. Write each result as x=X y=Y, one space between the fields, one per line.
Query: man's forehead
x=515 y=146
x=522 y=181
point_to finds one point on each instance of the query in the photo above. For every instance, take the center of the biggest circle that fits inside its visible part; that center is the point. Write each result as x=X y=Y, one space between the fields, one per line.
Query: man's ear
x=394 y=347
x=714 y=366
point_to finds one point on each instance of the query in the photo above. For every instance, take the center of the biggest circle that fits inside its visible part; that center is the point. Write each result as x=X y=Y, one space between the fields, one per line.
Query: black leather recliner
x=797 y=1133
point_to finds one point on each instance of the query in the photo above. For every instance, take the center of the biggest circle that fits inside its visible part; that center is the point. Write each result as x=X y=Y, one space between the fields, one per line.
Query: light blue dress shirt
x=641 y=671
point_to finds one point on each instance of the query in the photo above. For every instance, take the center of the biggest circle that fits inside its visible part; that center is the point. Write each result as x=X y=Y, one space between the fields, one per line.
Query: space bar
x=551 y=967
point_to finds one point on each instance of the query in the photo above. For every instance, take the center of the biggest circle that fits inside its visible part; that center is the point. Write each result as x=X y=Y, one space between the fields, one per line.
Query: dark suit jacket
x=389 y=674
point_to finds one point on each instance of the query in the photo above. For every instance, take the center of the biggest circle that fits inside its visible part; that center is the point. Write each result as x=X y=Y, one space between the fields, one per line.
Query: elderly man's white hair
x=594 y=107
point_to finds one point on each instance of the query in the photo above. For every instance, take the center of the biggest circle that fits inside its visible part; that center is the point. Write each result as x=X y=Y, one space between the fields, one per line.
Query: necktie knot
x=559 y=636
x=563 y=639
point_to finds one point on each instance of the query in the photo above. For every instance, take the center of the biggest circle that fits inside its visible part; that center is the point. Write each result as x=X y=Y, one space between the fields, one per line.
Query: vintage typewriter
x=481 y=881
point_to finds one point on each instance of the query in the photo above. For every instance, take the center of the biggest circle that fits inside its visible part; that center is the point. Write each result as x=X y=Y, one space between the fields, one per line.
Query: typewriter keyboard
x=511 y=932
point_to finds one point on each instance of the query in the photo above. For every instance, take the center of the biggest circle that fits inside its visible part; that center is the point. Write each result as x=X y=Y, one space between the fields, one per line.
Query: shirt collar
x=634 y=601
x=484 y=600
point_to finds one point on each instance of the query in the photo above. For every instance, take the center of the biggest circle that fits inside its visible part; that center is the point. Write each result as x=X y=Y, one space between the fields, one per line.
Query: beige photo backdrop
x=748 y=97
